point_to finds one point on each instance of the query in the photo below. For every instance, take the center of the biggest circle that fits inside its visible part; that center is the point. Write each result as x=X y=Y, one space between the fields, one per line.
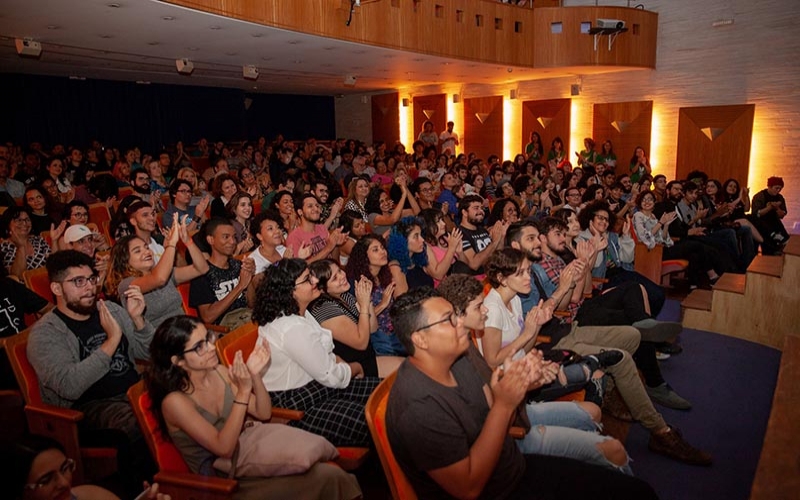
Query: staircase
x=761 y=306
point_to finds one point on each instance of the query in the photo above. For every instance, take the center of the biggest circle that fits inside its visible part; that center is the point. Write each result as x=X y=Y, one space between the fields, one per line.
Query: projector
x=28 y=48
x=610 y=24
x=250 y=72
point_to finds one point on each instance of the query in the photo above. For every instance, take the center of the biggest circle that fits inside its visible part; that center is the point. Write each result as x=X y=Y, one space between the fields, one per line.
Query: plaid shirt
x=553 y=267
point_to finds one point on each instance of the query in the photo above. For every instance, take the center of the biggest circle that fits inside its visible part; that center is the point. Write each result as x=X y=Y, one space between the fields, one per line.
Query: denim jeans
x=564 y=429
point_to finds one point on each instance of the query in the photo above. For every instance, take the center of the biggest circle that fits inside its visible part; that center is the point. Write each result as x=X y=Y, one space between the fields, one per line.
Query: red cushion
x=168 y=457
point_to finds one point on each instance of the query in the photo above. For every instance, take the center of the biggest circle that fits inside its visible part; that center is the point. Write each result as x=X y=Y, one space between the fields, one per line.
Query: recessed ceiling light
x=231 y=54
x=106 y=36
x=113 y=5
x=255 y=87
x=329 y=48
x=53 y=26
x=389 y=56
x=266 y=58
x=193 y=49
x=215 y=27
x=298 y=61
x=152 y=43
x=256 y=35
x=294 y=42
x=167 y=18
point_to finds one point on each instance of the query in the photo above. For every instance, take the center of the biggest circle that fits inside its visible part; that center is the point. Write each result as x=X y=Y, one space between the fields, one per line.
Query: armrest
x=53 y=412
x=216 y=328
x=286 y=414
x=516 y=432
x=188 y=485
x=561 y=314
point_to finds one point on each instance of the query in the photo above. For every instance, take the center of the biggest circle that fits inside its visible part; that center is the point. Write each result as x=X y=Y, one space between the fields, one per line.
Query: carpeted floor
x=730 y=383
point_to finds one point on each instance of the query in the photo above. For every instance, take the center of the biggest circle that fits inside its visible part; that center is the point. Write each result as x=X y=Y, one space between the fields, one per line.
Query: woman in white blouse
x=304 y=374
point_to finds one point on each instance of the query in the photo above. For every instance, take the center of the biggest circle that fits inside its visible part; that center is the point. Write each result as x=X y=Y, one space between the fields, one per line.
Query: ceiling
x=139 y=40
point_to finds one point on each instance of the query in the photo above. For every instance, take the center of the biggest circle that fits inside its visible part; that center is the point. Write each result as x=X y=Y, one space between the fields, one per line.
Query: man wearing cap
x=81 y=238
x=770 y=207
x=142 y=218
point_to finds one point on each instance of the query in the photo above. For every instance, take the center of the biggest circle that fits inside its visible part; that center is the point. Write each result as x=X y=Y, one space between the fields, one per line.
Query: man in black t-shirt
x=478 y=243
x=221 y=291
x=448 y=429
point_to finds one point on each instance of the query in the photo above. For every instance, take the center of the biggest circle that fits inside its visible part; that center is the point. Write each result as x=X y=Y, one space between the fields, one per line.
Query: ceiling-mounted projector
x=28 y=48
x=610 y=24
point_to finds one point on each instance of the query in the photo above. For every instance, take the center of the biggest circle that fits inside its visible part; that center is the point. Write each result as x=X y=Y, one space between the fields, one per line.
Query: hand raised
x=134 y=301
x=363 y=293
x=259 y=359
x=247 y=271
x=240 y=375
x=509 y=383
x=107 y=321
x=455 y=239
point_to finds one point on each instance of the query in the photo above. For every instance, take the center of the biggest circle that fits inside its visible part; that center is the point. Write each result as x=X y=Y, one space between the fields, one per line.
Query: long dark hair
x=430 y=225
x=119 y=266
x=21 y=454
x=358 y=263
x=163 y=376
x=275 y=294
x=397 y=244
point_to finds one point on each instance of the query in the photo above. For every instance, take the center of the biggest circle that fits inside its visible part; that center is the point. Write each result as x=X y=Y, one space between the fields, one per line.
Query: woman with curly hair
x=442 y=248
x=283 y=204
x=202 y=408
x=369 y=258
x=406 y=248
x=132 y=264
x=240 y=212
x=504 y=209
x=354 y=227
x=223 y=188
x=304 y=373
x=382 y=212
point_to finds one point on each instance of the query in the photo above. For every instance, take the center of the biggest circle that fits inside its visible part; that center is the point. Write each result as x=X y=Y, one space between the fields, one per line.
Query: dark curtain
x=57 y=110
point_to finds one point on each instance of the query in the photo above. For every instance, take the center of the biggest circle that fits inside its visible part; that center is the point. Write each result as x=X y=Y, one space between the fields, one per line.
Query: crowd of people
x=359 y=261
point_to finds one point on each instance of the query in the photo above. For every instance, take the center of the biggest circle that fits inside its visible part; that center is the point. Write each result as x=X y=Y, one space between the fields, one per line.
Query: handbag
x=271 y=450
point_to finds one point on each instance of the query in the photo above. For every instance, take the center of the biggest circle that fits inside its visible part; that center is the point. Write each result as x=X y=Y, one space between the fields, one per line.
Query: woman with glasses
x=40 y=470
x=21 y=249
x=203 y=408
x=132 y=264
x=304 y=373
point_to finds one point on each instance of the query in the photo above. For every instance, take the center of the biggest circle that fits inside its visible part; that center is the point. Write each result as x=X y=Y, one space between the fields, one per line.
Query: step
x=730 y=282
x=771 y=265
x=793 y=246
x=698 y=299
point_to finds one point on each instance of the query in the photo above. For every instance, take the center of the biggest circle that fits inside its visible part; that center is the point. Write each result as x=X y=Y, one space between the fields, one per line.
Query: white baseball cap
x=76 y=232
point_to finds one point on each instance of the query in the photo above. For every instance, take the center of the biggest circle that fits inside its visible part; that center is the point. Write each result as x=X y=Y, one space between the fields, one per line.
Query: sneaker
x=666 y=348
x=603 y=360
x=666 y=396
x=657 y=331
x=671 y=444
x=662 y=356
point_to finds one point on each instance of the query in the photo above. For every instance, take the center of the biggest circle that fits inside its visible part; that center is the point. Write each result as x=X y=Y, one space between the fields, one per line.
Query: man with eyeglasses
x=84 y=350
x=573 y=199
x=449 y=429
x=180 y=196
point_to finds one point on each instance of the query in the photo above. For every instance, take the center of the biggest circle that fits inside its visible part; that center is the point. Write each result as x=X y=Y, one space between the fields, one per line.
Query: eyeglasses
x=80 y=215
x=185 y=191
x=601 y=217
x=203 y=346
x=22 y=220
x=450 y=317
x=68 y=467
x=80 y=281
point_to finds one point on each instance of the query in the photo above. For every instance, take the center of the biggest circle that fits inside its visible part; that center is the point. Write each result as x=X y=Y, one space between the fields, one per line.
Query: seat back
x=16 y=348
x=375 y=411
x=648 y=262
x=242 y=339
x=98 y=213
x=38 y=281
x=166 y=455
x=183 y=289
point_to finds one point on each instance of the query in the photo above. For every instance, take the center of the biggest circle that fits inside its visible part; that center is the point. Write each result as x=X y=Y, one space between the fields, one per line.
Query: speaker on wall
x=184 y=66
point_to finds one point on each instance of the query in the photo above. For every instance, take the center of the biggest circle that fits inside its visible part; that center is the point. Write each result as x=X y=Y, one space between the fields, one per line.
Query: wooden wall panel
x=432 y=28
x=483 y=126
x=636 y=47
x=386 y=118
x=628 y=126
x=430 y=107
x=550 y=118
x=716 y=140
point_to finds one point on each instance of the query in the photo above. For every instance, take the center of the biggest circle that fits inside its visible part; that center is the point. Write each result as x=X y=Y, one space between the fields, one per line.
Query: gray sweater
x=53 y=350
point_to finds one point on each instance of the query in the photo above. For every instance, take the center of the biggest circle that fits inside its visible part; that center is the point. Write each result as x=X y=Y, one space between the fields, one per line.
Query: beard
x=77 y=307
x=142 y=190
x=476 y=221
x=532 y=257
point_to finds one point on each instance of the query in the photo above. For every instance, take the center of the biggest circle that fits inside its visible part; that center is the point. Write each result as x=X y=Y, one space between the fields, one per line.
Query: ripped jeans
x=564 y=429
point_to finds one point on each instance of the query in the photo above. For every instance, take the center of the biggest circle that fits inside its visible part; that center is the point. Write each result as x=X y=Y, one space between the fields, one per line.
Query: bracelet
x=169 y=246
x=239 y=403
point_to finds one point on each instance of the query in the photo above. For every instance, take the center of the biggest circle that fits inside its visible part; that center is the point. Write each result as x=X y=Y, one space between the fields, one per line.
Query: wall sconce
x=456 y=98
x=512 y=94
x=405 y=102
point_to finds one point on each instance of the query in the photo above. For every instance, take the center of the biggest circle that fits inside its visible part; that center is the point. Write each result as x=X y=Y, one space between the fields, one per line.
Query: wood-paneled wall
x=483 y=126
x=386 y=118
x=550 y=118
x=506 y=34
x=716 y=140
x=430 y=107
x=626 y=124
